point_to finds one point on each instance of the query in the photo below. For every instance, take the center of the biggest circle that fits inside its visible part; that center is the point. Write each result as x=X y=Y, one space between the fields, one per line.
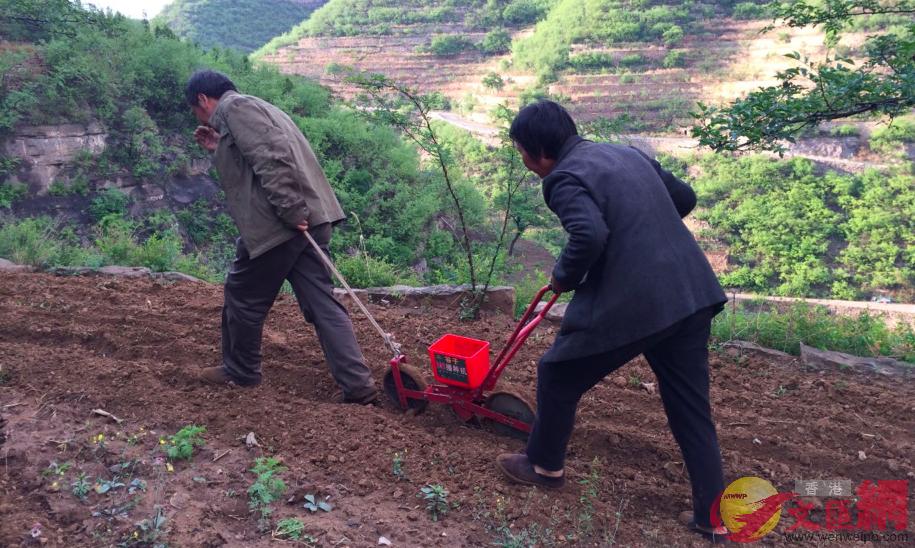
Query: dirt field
x=130 y=347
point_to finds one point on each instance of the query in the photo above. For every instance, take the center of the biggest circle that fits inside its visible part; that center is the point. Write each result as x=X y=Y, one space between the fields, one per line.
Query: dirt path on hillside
x=130 y=347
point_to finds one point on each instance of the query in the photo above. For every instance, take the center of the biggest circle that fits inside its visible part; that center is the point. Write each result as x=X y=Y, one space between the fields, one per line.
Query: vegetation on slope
x=244 y=25
x=598 y=24
x=793 y=231
x=86 y=65
x=381 y=17
x=881 y=82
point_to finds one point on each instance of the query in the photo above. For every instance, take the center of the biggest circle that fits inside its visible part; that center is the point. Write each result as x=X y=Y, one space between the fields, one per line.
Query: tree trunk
x=511 y=246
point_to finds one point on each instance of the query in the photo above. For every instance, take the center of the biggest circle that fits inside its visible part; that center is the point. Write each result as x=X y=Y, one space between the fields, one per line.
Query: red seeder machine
x=465 y=379
x=461 y=366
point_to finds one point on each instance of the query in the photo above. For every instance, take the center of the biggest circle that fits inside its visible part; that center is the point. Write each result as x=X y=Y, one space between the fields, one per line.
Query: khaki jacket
x=269 y=173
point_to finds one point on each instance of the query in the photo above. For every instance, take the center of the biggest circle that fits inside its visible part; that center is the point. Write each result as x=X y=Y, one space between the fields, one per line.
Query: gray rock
x=125 y=271
x=71 y=270
x=829 y=147
x=556 y=313
x=9 y=266
x=175 y=276
x=828 y=359
x=753 y=348
x=46 y=150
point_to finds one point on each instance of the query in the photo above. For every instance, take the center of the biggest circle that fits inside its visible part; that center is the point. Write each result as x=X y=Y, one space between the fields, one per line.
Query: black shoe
x=218 y=376
x=368 y=398
x=519 y=469
x=715 y=535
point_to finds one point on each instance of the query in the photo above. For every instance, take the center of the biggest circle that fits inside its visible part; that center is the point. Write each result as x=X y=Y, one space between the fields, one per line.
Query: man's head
x=203 y=91
x=539 y=131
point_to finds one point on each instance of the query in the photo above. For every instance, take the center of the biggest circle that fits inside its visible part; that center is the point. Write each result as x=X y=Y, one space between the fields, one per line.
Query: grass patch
x=862 y=335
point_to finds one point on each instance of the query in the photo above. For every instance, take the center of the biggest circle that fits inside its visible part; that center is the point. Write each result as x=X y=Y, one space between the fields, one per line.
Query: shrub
x=493 y=81
x=448 y=45
x=8 y=164
x=845 y=130
x=633 y=60
x=524 y=12
x=888 y=138
x=10 y=193
x=29 y=242
x=749 y=10
x=592 y=60
x=676 y=58
x=672 y=35
x=111 y=202
x=364 y=271
x=496 y=42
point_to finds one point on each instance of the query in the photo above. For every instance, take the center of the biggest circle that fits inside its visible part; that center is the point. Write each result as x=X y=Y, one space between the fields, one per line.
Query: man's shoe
x=715 y=535
x=519 y=469
x=218 y=376
x=367 y=399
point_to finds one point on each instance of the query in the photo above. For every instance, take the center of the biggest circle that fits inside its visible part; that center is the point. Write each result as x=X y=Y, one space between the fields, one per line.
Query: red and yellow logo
x=751 y=508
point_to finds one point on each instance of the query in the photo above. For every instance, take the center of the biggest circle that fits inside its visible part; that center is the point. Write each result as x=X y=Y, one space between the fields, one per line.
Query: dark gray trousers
x=250 y=290
x=679 y=358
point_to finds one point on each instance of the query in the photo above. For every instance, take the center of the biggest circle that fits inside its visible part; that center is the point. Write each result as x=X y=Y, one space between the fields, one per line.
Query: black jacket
x=635 y=267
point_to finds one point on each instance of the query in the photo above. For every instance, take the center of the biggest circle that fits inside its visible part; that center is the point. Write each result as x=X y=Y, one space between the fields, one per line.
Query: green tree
x=829 y=89
x=493 y=81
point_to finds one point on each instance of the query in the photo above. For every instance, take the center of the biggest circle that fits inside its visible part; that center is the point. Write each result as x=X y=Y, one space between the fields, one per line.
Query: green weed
x=266 y=489
x=436 y=499
x=181 y=445
x=81 y=486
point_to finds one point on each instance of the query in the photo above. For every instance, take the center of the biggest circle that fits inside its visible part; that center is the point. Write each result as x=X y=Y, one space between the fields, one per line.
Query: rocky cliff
x=44 y=151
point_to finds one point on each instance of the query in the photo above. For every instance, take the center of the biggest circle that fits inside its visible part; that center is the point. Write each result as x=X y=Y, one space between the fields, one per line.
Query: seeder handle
x=520 y=335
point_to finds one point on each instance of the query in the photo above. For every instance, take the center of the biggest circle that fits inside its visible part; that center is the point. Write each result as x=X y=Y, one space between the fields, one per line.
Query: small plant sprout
x=102 y=487
x=56 y=470
x=397 y=466
x=181 y=445
x=81 y=486
x=267 y=488
x=312 y=504
x=98 y=441
x=436 y=498
x=149 y=531
x=289 y=528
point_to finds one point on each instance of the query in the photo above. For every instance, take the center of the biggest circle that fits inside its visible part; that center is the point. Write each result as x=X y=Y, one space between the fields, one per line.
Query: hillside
x=96 y=172
x=244 y=25
x=130 y=347
x=646 y=63
x=651 y=66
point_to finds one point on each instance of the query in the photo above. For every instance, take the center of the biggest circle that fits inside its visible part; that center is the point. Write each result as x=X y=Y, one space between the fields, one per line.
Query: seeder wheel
x=511 y=405
x=412 y=380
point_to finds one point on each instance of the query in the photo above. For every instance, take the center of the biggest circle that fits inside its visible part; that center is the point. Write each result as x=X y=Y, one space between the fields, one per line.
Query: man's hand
x=555 y=286
x=303 y=226
x=207 y=137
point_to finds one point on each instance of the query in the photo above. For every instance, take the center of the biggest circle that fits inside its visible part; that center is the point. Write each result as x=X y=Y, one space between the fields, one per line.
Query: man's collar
x=217 y=120
x=567 y=147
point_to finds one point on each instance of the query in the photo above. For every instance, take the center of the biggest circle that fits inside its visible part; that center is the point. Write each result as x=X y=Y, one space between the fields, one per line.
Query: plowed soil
x=131 y=347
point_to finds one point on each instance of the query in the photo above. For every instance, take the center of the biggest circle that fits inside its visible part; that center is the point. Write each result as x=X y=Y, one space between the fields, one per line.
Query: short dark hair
x=208 y=82
x=542 y=128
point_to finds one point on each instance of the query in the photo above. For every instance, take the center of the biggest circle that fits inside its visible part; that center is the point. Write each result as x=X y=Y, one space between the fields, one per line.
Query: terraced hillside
x=654 y=79
x=722 y=61
x=434 y=45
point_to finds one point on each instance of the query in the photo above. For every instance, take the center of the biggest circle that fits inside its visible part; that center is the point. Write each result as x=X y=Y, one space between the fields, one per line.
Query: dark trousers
x=679 y=358
x=251 y=288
